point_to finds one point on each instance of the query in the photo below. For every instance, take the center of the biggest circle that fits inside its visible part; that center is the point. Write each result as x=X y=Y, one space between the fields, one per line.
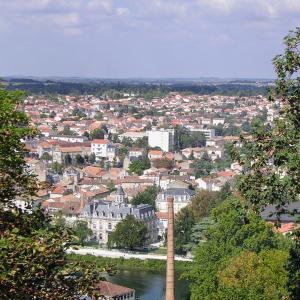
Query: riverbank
x=130 y=263
x=116 y=253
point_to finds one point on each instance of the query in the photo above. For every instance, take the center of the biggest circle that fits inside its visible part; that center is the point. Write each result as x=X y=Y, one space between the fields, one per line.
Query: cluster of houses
x=90 y=179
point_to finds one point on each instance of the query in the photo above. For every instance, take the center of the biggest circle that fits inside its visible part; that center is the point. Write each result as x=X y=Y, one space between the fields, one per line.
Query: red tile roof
x=109 y=289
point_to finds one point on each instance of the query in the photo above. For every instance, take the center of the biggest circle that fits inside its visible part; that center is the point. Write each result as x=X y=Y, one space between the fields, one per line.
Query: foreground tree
x=82 y=231
x=128 y=234
x=271 y=158
x=232 y=232
x=32 y=250
x=148 y=196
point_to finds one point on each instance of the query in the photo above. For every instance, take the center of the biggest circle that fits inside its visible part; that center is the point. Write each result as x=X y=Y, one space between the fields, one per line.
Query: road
x=126 y=255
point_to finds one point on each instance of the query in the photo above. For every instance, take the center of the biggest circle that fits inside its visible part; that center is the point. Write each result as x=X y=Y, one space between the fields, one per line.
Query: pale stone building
x=103 y=216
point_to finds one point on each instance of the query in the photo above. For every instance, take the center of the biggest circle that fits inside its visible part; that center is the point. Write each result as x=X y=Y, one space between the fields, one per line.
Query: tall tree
x=146 y=197
x=130 y=234
x=32 y=250
x=271 y=158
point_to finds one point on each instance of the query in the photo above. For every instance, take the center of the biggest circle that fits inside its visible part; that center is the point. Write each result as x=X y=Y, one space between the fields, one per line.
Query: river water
x=150 y=285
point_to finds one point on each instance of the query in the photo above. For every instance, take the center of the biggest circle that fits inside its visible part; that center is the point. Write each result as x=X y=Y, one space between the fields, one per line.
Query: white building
x=209 y=133
x=103 y=149
x=182 y=197
x=103 y=216
x=161 y=138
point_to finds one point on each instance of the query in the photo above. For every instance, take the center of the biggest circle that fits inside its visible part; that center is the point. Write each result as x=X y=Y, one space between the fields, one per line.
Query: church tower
x=120 y=196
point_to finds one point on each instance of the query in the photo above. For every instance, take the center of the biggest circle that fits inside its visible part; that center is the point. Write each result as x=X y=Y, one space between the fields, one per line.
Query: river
x=149 y=285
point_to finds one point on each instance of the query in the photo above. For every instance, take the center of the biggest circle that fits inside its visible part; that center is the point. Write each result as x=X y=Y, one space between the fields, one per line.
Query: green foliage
x=231 y=129
x=146 y=197
x=79 y=159
x=67 y=131
x=271 y=158
x=97 y=134
x=111 y=186
x=99 y=116
x=68 y=159
x=130 y=264
x=57 y=167
x=82 y=231
x=123 y=151
x=32 y=250
x=184 y=222
x=198 y=233
x=203 y=202
x=46 y=156
x=293 y=267
x=232 y=232
x=138 y=166
x=255 y=276
x=203 y=166
x=92 y=158
x=183 y=138
x=130 y=234
x=15 y=178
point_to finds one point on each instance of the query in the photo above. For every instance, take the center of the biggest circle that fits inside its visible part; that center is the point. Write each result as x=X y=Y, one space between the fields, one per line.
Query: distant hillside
x=138 y=87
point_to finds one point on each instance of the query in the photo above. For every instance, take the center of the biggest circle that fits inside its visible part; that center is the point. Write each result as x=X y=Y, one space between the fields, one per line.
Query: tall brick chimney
x=170 y=251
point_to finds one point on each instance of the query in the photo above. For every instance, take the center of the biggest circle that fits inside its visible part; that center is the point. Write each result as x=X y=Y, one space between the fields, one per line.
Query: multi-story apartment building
x=103 y=148
x=161 y=138
x=103 y=216
x=182 y=197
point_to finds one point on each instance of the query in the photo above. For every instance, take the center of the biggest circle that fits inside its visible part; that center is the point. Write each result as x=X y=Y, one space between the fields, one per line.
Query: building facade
x=161 y=138
x=182 y=197
x=103 y=216
x=103 y=149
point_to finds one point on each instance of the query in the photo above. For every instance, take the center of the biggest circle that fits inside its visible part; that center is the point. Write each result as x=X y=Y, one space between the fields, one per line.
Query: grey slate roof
x=179 y=192
x=140 y=212
x=292 y=215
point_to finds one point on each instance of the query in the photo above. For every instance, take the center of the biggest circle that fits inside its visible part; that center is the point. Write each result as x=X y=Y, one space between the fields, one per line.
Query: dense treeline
x=129 y=264
x=116 y=89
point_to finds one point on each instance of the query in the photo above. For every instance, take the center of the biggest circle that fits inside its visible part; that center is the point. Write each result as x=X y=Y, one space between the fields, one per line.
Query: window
x=109 y=226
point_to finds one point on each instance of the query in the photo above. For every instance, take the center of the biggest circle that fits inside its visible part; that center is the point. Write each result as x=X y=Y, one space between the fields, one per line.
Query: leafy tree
x=68 y=159
x=293 y=267
x=97 y=134
x=271 y=160
x=123 y=151
x=46 y=156
x=203 y=166
x=79 y=159
x=67 y=131
x=32 y=249
x=141 y=143
x=99 y=116
x=57 y=167
x=146 y=197
x=199 y=233
x=86 y=134
x=246 y=126
x=203 y=202
x=127 y=142
x=138 y=166
x=232 y=129
x=111 y=186
x=184 y=222
x=191 y=156
x=232 y=232
x=92 y=158
x=130 y=234
x=82 y=231
x=255 y=276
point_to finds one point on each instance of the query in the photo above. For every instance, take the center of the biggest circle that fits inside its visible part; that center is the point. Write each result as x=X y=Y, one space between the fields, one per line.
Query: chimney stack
x=170 y=251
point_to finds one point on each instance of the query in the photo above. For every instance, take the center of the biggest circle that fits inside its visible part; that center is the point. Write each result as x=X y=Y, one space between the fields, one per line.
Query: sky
x=144 y=38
